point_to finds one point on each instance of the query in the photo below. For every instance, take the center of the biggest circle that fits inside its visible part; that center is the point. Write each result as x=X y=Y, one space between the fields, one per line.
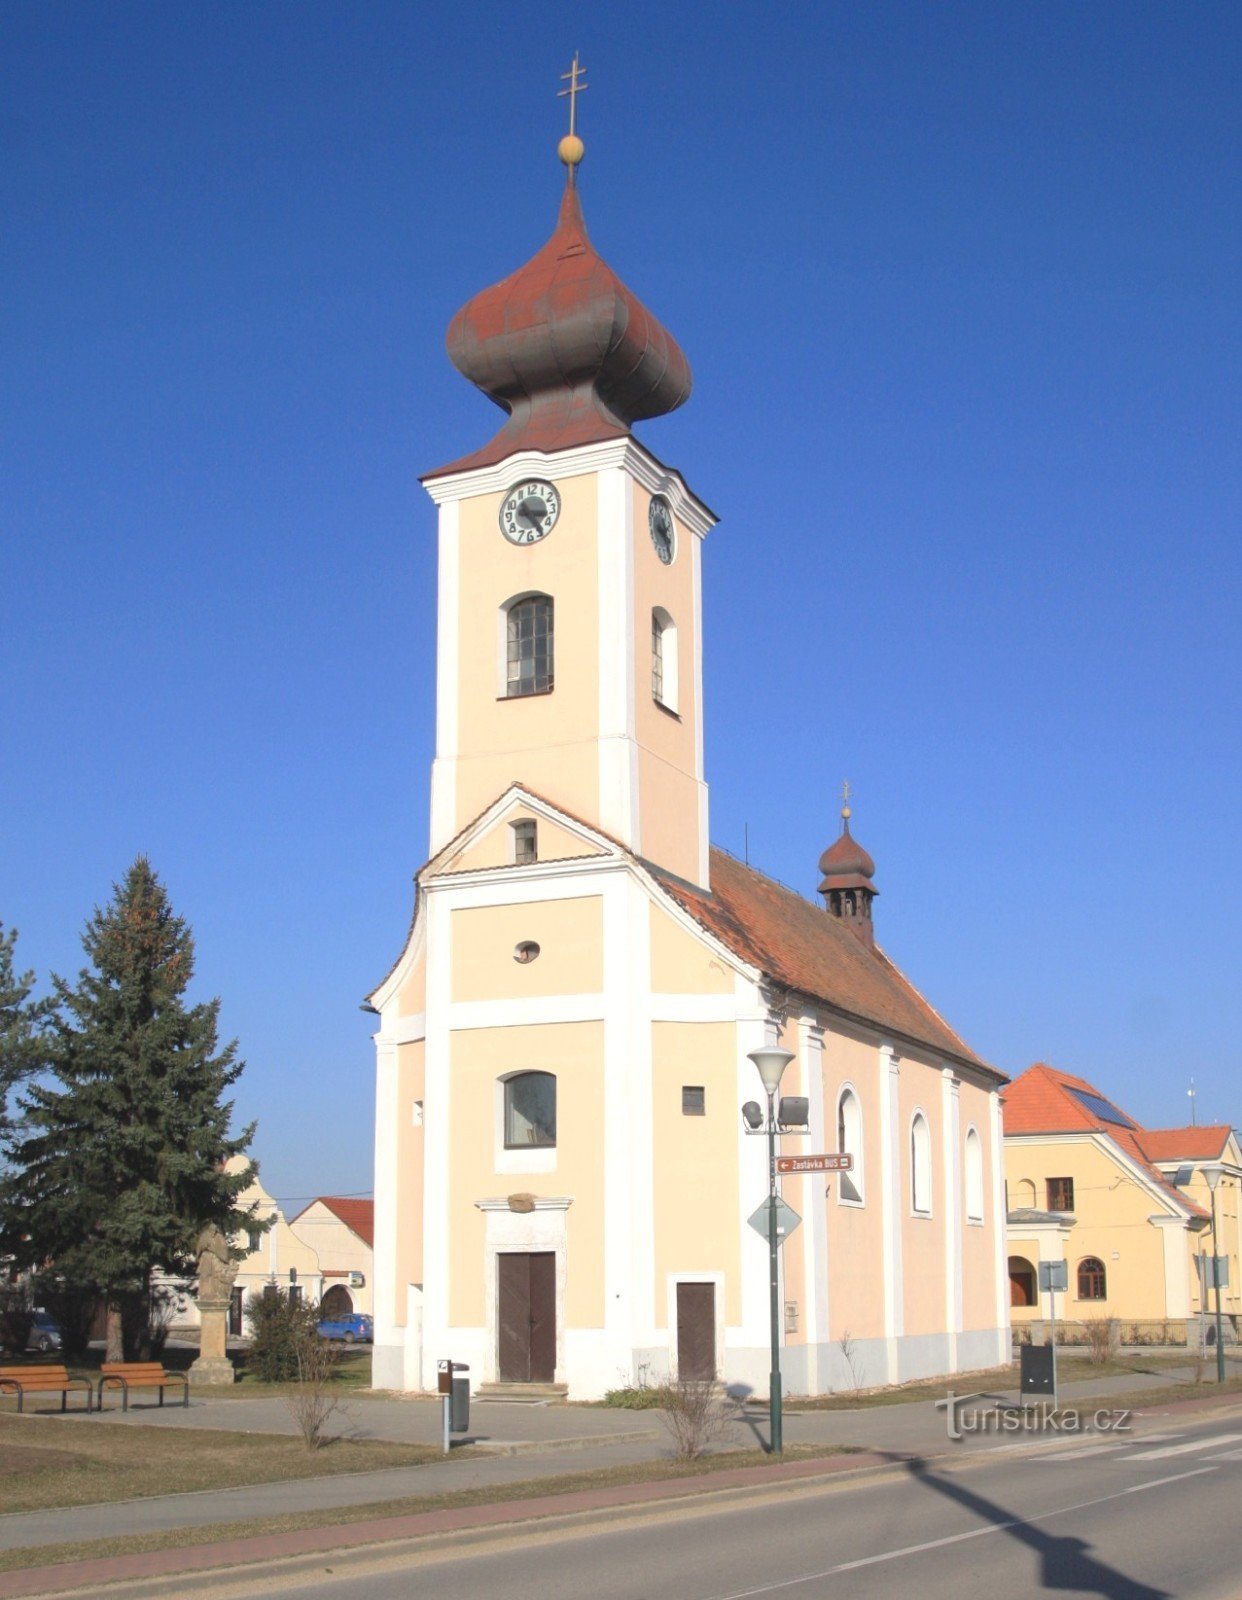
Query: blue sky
x=959 y=287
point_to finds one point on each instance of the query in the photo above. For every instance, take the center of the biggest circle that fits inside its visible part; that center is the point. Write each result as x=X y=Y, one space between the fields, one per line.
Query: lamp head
x=1213 y=1172
x=771 y=1062
x=752 y=1114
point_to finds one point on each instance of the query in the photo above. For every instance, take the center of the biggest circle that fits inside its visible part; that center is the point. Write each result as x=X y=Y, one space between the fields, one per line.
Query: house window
x=663 y=659
x=1060 y=1194
x=528 y=646
x=530 y=1111
x=1092 y=1282
x=920 y=1165
x=253 y=1239
x=974 y=1176
x=849 y=1142
x=525 y=841
x=693 y=1100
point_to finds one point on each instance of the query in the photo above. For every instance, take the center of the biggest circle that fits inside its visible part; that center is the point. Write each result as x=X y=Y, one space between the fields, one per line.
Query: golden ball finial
x=571 y=150
x=846 y=813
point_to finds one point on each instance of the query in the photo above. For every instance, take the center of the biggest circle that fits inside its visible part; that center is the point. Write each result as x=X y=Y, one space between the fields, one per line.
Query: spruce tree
x=21 y=1022
x=119 y=1161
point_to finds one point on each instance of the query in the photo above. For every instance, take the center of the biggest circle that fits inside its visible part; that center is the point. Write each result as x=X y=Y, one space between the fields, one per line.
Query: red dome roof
x=566 y=349
x=845 y=862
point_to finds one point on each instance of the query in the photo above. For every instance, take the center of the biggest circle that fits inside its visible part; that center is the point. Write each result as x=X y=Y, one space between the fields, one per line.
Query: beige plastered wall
x=408 y=1263
x=923 y=1236
x=695 y=1158
x=570 y=936
x=1227 y=1195
x=477 y=1058
x=668 y=792
x=978 y=1238
x=681 y=963
x=1112 y=1208
x=854 y=1232
x=550 y=740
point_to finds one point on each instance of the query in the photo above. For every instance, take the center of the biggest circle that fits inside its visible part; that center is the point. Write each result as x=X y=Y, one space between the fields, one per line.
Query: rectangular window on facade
x=1060 y=1194
x=528 y=646
x=525 y=842
x=693 y=1100
x=295 y=1294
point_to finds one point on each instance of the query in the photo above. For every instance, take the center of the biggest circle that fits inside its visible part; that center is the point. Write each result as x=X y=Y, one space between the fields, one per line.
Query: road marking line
x=1227 y=1455
x=954 y=1538
x=1137 y=1488
x=1081 y=1451
x=1186 y=1449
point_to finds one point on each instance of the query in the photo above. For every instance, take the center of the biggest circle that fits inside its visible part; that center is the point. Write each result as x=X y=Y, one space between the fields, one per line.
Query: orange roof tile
x=1046 y=1100
x=798 y=944
x=1186 y=1144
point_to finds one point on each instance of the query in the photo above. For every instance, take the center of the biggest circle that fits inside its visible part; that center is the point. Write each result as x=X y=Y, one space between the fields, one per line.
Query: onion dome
x=565 y=348
x=847 y=887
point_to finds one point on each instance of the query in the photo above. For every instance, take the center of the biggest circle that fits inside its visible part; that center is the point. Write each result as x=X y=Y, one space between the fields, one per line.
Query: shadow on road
x=1065 y=1562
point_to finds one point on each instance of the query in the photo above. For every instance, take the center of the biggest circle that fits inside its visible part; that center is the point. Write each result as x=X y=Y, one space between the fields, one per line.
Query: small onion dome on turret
x=846 y=864
x=565 y=348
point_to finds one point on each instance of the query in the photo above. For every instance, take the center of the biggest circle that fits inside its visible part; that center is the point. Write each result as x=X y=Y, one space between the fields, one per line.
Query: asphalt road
x=1155 y=1518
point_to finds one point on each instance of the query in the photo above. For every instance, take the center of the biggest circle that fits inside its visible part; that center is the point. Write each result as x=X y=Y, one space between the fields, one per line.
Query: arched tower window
x=920 y=1165
x=663 y=659
x=1092 y=1280
x=974 y=1176
x=530 y=1111
x=528 y=645
x=850 y=1142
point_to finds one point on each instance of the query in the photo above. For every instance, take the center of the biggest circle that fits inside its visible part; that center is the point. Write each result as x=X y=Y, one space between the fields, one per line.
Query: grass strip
x=411 y=1505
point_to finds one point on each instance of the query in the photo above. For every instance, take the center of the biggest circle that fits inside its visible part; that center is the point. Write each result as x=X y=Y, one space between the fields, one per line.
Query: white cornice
x=537 y=872
x=550 y=1202
x=625 y=453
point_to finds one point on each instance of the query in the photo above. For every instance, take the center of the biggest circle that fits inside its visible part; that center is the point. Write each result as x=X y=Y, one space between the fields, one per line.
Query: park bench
x=129 y=1375
x=22 y=1381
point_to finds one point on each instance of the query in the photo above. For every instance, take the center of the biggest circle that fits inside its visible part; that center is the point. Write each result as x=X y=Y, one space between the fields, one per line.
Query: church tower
x=569 y=654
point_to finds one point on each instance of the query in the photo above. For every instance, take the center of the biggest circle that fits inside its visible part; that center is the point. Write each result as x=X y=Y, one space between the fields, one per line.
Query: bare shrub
x=853 y=1362
x=1103 y=1337
x=696 y=1413
x=314 y=1400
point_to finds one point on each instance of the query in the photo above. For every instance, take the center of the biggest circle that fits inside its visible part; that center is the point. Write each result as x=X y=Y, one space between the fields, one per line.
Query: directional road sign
x=841 y=1163
x=787 y=1219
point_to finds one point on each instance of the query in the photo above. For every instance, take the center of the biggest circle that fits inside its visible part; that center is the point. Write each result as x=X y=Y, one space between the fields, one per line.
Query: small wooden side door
x=696 y=1331
x=526 y=1316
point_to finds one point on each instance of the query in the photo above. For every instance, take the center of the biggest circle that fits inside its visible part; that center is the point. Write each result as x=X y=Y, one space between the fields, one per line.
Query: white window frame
x=502 y=645
x=921 y=1188
x=669 y=695
x=855 y=1178
x=539 y=1158
x=972 y=1170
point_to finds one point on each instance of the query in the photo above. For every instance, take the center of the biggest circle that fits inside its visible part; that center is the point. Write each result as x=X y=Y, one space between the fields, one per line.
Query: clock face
x=660 y=520
x=529 y=511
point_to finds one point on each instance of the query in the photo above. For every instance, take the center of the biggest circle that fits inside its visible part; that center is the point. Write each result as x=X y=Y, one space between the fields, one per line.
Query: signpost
x=787 y=1219
x=793 y=1164
x=1054 y=1275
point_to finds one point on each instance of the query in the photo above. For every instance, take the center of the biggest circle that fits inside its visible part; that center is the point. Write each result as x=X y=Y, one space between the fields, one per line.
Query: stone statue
x=217 y=1272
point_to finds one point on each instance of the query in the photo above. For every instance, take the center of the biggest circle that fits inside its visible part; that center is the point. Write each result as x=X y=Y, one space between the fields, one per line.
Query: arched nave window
x=974 y=1176
x=920 y=1165
x=528 y=645
x=850 y=1142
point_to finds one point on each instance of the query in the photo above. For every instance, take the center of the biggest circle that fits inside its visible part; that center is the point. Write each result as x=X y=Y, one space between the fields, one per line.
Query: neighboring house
x=563 y=1178
x=323 y=1257
x=1127 y=1207
x=340 y=1232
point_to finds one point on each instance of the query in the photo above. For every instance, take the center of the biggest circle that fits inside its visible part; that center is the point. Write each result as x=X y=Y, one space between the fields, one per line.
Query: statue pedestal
x=213 y=1364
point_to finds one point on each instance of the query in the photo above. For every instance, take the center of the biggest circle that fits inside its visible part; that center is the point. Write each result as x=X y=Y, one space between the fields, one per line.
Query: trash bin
x=459 y=1406
x=1035 y=1370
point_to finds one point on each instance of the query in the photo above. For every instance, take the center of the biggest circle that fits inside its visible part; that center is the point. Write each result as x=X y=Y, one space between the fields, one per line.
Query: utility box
x=1036 y=1371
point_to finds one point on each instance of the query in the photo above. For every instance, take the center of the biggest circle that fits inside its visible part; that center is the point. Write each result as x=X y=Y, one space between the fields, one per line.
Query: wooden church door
x=526 y=1317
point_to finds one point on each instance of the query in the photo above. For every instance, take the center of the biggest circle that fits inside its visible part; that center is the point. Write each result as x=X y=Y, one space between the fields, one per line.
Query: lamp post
x=1213 y=1173
x=771 y=1062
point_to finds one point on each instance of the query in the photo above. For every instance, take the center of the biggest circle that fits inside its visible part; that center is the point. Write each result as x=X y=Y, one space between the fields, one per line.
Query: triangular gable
x=486 y=843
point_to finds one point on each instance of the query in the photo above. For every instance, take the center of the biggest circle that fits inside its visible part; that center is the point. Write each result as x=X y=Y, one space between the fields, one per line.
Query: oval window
x=525 y=952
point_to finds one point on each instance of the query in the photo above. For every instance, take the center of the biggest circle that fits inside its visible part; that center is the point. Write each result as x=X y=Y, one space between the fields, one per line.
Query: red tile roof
x=356 y=1214
x=1043 y=1100
x=1186 y=1144
x=799 y=945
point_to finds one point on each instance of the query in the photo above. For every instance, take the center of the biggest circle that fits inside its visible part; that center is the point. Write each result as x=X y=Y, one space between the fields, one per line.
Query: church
x=563 y=1172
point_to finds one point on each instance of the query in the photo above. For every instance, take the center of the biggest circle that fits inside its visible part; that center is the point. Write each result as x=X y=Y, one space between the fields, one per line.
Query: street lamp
x=1213 y=1173
x=771 y=1062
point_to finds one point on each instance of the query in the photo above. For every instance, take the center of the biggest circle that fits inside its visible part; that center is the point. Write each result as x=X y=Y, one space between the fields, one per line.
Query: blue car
x=44 y=1333
x=357 y=1328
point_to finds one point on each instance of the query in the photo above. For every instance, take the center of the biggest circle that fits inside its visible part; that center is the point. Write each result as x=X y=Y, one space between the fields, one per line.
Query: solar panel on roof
x=1104 y=1109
